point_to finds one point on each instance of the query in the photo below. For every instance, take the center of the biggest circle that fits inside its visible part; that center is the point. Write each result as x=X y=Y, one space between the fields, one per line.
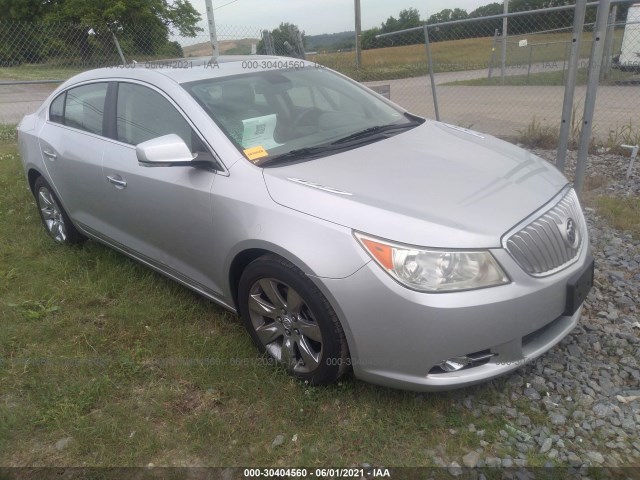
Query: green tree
x=23 y=10
x=485 y=28
x=177 y=16
x=487 y=10
x=71 y=28
x=368 y=39
x=286 y=32
x=408 y=18
x=448 y=32
x=390 y=25
x=541 y=21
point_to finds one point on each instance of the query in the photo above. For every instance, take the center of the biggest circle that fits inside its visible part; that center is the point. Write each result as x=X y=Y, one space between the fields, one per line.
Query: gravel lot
x=578 y=405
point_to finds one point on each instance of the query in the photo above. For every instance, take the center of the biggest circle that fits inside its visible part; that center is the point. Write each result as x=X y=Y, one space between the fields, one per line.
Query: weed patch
x=536 y=135
x=622 y=213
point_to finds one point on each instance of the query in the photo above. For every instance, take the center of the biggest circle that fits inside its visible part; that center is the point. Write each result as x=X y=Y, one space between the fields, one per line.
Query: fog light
x=454 y=364
x=458 y=363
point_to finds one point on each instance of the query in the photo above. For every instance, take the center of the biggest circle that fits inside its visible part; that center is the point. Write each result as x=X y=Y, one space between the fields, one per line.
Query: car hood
x=435 y=185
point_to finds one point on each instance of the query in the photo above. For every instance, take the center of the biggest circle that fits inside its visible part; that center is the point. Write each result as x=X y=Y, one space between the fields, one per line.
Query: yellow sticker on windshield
x=254 y=153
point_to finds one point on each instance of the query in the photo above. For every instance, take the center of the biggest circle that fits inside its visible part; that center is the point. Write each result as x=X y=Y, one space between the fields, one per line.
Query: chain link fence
x=619 y=89
x=510 y=85
x=36 y=57
x=506 y=78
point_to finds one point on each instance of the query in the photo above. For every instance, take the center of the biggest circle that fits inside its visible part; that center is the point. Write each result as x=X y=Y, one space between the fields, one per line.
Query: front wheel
x=289 y=318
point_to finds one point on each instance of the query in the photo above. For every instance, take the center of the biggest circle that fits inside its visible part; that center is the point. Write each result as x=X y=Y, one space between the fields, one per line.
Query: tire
x=289 y=318
x=54 y=218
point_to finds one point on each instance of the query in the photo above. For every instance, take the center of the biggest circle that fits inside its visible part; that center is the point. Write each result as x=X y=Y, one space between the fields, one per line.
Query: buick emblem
x=570 y=233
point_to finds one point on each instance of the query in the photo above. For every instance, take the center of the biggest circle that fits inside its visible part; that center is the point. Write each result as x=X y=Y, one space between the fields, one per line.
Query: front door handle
x=50 y=155
x=117 y=181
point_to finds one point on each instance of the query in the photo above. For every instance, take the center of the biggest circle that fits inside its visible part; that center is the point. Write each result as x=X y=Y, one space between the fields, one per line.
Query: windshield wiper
x=307 y=153
x=376 y=130
x=300 y=153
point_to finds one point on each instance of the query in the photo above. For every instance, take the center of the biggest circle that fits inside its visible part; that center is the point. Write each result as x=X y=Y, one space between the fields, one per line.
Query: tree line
x=536 y=22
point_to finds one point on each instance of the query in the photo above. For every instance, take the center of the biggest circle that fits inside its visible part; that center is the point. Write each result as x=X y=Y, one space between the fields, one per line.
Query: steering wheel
x=298 y=121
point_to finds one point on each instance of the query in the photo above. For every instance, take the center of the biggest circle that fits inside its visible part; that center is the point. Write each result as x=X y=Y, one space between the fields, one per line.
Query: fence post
x=268 y=42
x=595 y=64
x=530 y=60
x=300 y=45
x=564 y=62
x=505 y=22
x=115 y=40
x=608 y=44
x=431 y=74
x=493 y=52
x=570 y=85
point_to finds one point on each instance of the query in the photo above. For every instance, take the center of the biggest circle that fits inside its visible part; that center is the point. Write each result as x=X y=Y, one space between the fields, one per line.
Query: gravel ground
x=577 y=406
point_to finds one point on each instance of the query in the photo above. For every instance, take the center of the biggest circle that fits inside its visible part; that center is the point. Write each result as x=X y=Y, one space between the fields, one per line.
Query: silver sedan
x=346 y=232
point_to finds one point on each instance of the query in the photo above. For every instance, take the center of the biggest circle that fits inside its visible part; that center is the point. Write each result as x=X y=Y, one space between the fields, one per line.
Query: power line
x=229 y=3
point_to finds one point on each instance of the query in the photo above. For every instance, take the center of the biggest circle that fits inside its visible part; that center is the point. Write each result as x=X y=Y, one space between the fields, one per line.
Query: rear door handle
x=50 y=155
x=117 y=181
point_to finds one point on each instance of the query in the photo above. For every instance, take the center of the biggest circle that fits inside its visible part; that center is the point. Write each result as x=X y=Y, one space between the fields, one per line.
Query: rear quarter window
x=56 y=110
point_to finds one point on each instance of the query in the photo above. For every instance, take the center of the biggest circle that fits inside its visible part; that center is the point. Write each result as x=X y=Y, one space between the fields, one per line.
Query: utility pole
x=212 y=29
x=504 y=40
x=358 y=35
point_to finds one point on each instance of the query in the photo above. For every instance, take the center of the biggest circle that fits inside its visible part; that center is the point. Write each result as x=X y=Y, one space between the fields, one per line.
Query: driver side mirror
x=166 y=151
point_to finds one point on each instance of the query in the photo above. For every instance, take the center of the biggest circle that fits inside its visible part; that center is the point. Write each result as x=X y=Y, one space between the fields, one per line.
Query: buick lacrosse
x=346 y=232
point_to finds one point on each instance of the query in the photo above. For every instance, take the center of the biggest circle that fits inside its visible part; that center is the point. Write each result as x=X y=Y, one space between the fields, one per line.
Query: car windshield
x=281 y=116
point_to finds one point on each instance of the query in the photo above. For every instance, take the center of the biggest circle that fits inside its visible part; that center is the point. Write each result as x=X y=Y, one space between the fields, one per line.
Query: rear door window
x=84 y=107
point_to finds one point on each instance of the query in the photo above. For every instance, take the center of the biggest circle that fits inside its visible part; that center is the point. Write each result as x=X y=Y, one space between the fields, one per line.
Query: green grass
x=628 y=134
x=622 y=213
x=453 y=55
x=539 y=135
x=7 y=134
x=38 y=72
x=136 y=369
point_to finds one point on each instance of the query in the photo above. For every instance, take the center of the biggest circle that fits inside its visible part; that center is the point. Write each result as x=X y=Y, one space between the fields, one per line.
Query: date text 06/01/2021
x=318 y=472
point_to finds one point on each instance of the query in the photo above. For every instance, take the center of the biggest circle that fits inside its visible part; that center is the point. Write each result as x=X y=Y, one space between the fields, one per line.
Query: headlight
x=432 y=270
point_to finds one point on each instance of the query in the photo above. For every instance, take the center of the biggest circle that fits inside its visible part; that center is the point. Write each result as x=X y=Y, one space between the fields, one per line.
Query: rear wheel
x=289 y=318
x=54 y=218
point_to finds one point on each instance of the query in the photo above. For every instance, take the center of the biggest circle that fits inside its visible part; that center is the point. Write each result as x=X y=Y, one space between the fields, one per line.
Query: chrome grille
x=545 y=245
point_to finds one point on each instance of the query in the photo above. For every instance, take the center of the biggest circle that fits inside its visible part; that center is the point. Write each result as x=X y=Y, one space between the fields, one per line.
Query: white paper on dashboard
x=258 y=131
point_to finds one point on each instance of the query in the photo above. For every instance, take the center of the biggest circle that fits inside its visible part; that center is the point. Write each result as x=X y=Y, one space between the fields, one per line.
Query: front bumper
x=397 y=336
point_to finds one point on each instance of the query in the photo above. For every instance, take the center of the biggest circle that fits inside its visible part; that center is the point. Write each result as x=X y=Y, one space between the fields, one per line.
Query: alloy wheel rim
x=52 y=215
x=285 y=325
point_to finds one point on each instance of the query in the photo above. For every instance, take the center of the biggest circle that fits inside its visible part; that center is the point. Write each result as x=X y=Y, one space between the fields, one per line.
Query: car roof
x=183 y=70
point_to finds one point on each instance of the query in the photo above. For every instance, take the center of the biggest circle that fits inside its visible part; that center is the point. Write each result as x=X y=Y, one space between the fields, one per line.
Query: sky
x=322 y=16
